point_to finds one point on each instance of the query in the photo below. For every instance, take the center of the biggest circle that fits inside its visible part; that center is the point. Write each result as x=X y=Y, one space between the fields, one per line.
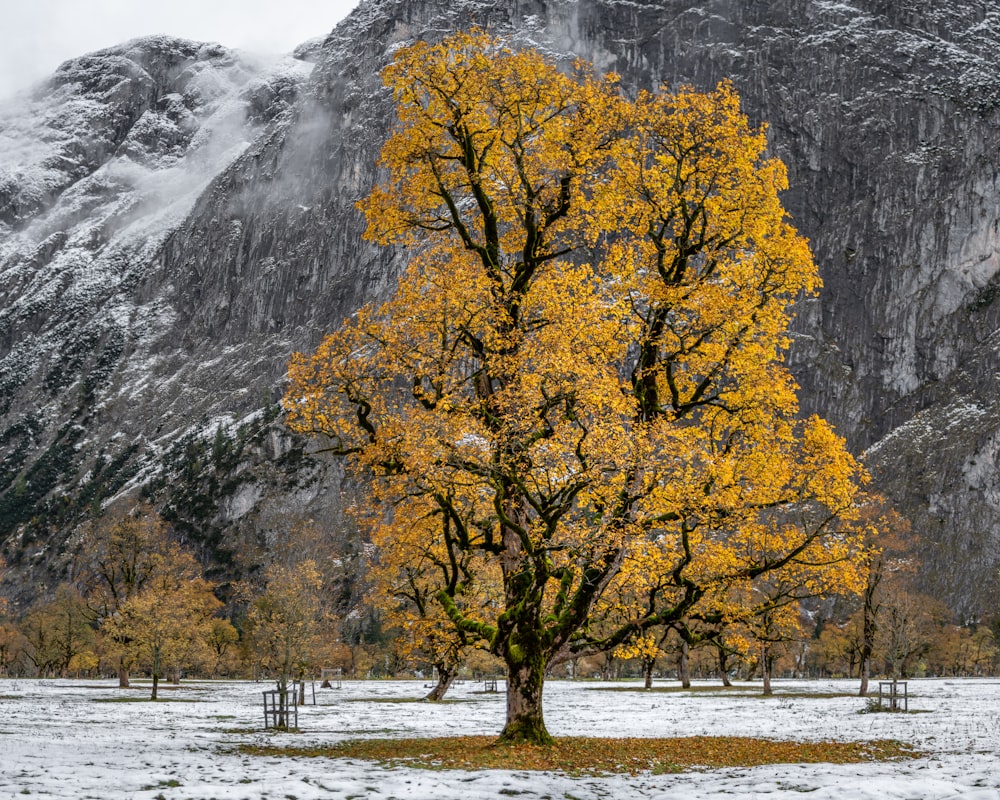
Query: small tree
x=910 y=623
x=647 y=648
x=58 y=631
x=731 y=643
x=12 y=644
x=284 y=618
x=405 y=588
x=888 y=555
x=168 y=620
x=222 y=644
x=119 y=554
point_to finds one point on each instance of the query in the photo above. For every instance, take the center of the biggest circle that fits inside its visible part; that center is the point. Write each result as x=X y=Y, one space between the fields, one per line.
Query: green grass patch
x=874 y=707
x=578 y=755
x=167 y=784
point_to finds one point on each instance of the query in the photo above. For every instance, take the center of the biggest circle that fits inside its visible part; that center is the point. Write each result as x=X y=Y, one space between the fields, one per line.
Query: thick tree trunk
x=865 y=672
x=123 y=675
x=684 y=667
x=156 y=684
x=525 y=724
x=724 y=666
x=647 y=673
x=765 y=670
x=446 y=674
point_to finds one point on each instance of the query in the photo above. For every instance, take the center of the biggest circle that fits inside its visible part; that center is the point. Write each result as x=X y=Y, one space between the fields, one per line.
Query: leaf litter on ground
x=580 y=755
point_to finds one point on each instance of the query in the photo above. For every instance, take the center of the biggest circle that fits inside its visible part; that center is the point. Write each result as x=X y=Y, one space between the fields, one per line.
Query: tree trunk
x=869 y=628
x=285 y=698
x=647 y=673
x=683 y=666
x=765 y=670
x=446 y=674
x=524 y=703
x=723 y=666
x=123 y=675
x=155 y=671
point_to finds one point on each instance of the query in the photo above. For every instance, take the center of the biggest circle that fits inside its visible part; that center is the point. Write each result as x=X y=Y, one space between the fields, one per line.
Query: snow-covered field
x=59 y=740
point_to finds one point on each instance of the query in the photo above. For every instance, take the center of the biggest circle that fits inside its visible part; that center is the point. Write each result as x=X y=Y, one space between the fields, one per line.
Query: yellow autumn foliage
x=576 y=402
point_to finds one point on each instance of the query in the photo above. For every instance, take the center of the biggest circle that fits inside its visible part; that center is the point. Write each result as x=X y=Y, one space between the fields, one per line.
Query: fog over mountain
x=177 y=218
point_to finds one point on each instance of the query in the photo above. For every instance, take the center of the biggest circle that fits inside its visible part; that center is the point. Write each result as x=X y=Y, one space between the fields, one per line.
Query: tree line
x=136 y=599
x=139 y=603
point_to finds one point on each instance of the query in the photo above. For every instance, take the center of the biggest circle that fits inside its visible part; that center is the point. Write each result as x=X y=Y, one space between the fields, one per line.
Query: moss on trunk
x=525 y=723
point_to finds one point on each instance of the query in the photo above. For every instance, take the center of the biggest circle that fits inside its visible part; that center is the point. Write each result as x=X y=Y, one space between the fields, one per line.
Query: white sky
x=38 y=35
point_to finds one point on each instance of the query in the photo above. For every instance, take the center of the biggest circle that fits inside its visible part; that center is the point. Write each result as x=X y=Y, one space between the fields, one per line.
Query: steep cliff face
x=98 y=166
x=186 y=220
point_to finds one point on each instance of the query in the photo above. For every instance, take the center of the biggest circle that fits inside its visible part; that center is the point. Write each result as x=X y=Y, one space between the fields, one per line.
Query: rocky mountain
x=176 y=218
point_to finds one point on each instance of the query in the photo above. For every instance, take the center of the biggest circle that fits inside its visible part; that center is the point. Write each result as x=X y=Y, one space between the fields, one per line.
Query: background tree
x=222 y=643
x=732 y=645
x=647 y=648
x=837 y=650
x=11 y=641
x=889 y=554
x=581 y=370
x=39 y=649
x=12 y=644
x=405 y=586
x=169 y=619
x=283 y=621
x=909 y=625
x=119 y=554
x=773 y=627
x=59 y=631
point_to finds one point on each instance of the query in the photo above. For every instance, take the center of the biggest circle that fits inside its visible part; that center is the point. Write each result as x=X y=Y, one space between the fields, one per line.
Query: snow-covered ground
x=59 y=740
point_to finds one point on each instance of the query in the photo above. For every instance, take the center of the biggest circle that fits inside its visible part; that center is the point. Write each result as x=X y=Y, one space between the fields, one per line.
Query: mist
x=37 y=37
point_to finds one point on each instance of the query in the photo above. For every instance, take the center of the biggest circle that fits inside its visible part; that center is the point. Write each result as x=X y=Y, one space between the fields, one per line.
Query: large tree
x=579 y=380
